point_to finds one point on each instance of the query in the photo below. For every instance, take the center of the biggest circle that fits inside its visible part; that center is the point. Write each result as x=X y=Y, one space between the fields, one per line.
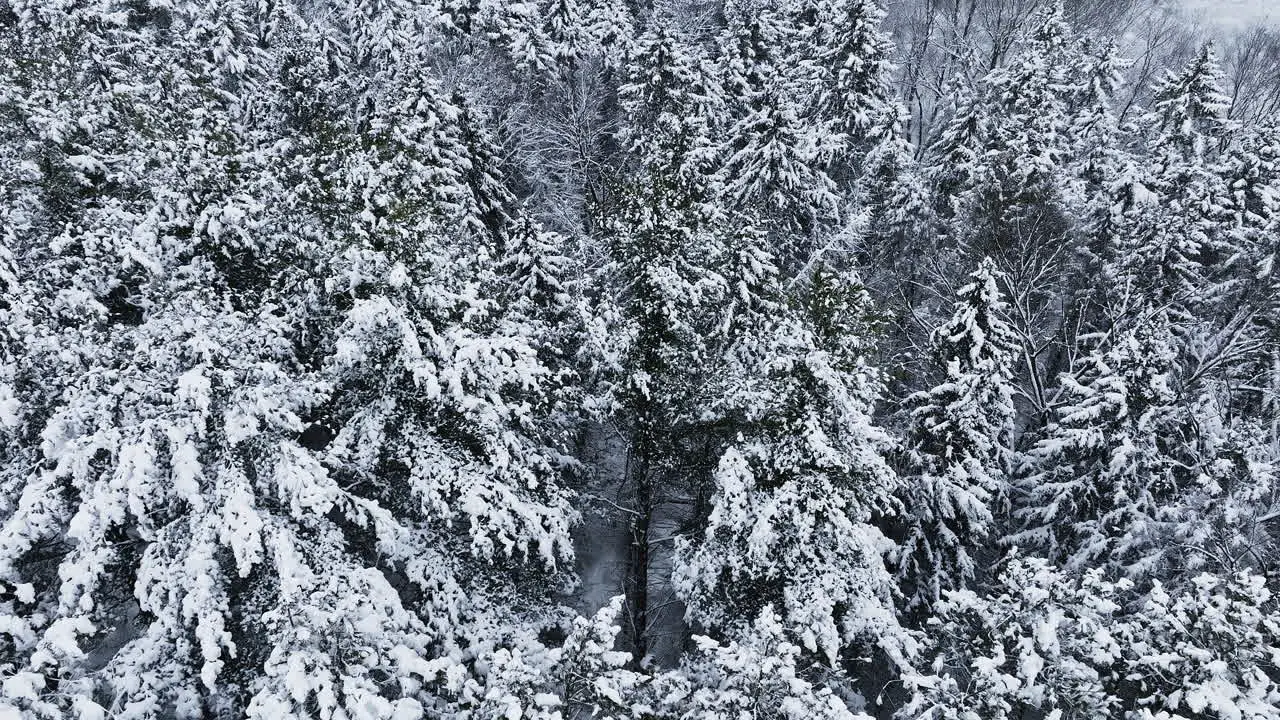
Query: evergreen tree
x=612 y=28
x=662 y=259
x=1107 y=190
x=892 y=192
x=1000 y=154
x=760 y=675
x=752 y=52
x=1222 y=523
x=1251 y=293
x=1119 y=448
x=674 y=106
x=490 y=200
x=291 y=450
x=1189 y=109
x=566 y=29
x=1044 y=641
x=1176 y=246
x=1094 y=130
x=774 y=161
x=542 y=301
x=852 y=63
x=958 y=444
x=776 y=164
x=312 y=314
x=893 y=227
x=794 y=492
x=1000 y=166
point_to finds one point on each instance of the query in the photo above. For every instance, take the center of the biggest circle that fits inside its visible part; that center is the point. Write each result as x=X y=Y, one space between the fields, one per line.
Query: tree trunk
x=637 y=576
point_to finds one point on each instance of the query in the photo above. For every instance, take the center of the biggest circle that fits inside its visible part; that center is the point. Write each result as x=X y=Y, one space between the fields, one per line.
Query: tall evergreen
x=958 y=446
x=662 y=263
x=293 y=435
x=1107 y=190
x=1118 y=449
x=849 y=58
x=795 y=490
x=674 y=107
x=999 y=156
x=774 y=161
x=1176 y=249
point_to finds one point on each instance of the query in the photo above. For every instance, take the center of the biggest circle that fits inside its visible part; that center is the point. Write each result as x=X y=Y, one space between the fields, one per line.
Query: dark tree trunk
x=637 y=576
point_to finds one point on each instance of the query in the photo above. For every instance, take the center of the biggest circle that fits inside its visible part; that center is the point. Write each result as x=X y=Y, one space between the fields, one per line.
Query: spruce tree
x=662 y=257
x=1176 y=247
x=958 y=446
x=796 y=488
x=1000 y=154
x=565 y=28
x=775 y=162
x=674 y=106
x=849 y=56
x=1118 y=449
x=292 y=444
x=1106 y=191
x=1082 y=646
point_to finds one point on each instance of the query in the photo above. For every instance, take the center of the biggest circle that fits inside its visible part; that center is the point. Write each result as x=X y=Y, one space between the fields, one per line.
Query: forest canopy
x=638 y=360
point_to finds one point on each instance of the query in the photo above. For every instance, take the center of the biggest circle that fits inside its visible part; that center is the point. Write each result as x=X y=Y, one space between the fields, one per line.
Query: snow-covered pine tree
x=296 y=448
x=1082 y=647
x=612 y=28
x=958 y=445
x=775 y=157
x=579 y=31
x=438 y=398
x=1189 y=109
x=1118 y=449
x=662 y=269
x=39 y=190
x=893 y=227
x=1028 y=644
x=760 y=675
x=1230 y=338
x=851 y=63
x=300 y=304
x=892 y=192
x=674 y=106
x=794 y=492
x=1094 y=130
x=492 y=202
x=1216 y=640
x=775 y=161
x=753 y=50
x=1251 y=168
x=1253 y=292
x=539 y=291
x=566 y=26
x=15 y=315
x=754 y=299
x=1105 y=189
x=122 y=604
x=1000 y=172
x=518 y=28
x=1224 y=521
x=1001 y=152
x=1177 y=248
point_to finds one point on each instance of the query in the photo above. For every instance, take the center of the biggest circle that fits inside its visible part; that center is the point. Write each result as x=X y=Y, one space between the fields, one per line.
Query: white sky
x=1237 y=14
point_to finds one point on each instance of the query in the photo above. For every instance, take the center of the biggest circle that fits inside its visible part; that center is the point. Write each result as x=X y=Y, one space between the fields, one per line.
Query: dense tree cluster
x=673 y=360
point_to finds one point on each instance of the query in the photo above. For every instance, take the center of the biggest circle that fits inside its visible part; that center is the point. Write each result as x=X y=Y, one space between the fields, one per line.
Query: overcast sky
x=1238 y=13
